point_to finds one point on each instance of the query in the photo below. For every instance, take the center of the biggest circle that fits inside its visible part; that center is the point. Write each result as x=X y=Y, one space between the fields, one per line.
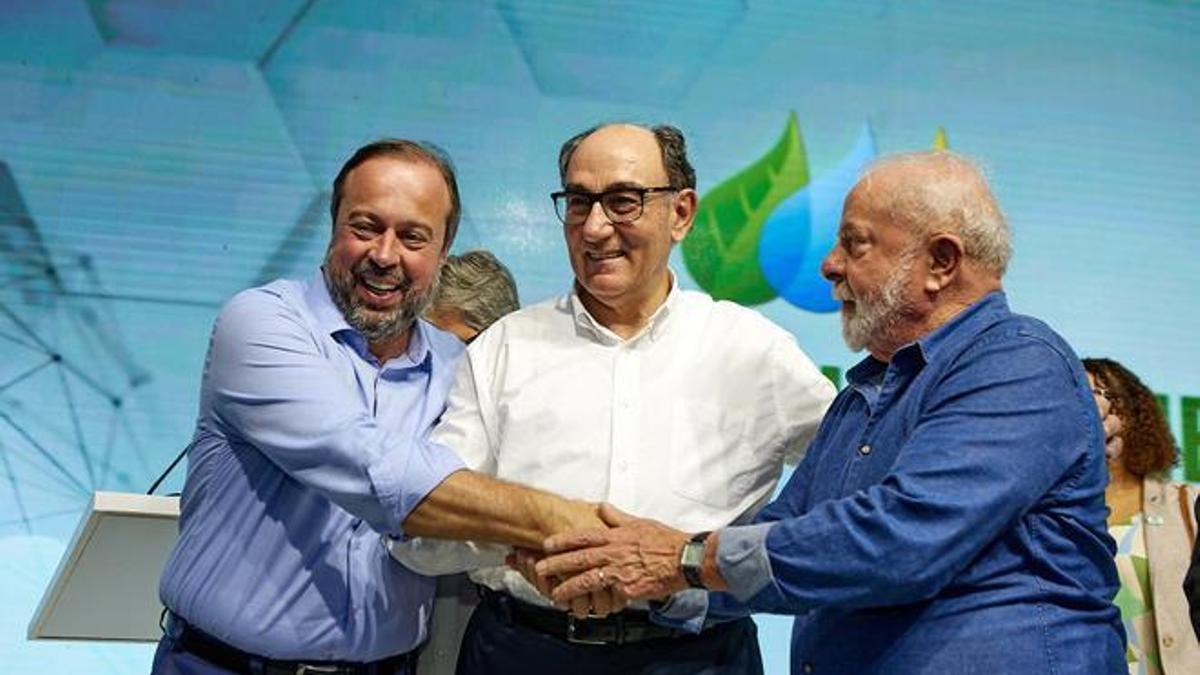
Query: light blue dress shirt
x=307 y=449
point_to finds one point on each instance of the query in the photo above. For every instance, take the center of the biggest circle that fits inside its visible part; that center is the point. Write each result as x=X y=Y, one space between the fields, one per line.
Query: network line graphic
x=66 y=377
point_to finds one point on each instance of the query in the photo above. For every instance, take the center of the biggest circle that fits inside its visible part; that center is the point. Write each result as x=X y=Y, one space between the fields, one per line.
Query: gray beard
x=875 y=319
x=376 y=326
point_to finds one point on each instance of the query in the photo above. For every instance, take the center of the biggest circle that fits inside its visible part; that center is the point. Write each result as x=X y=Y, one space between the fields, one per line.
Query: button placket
x=626 y=424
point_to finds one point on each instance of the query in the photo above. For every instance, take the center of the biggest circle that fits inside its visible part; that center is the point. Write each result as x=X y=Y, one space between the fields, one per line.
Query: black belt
x=622 y=628
x=231 y=658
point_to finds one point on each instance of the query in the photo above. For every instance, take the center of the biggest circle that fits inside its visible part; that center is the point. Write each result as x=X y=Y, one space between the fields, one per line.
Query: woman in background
x=1151 y=519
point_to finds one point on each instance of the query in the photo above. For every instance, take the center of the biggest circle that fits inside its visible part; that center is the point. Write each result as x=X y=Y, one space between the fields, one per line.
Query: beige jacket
x=1170 y=533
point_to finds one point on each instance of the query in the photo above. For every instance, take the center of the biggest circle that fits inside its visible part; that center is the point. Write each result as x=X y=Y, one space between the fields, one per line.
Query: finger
x=619 y=600
x=1112 y=425
x=579 y=585
x=526 y=557
x=1114 y=448
x=615 y=517
x=519 y=561
x=581 y=606
x=569 y=541
x=574 y=562
x=545 y=586
x=527 y=566
x=602 y=602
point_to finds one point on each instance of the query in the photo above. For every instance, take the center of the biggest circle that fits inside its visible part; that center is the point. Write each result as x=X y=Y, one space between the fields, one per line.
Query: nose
x=596 y=226
x=385 y=252
x=832 y=267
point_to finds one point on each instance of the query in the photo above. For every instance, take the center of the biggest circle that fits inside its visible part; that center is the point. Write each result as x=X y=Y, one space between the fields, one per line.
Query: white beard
x=875 y=317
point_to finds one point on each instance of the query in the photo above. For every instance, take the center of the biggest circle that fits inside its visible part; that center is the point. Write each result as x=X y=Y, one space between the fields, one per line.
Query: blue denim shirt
x=307 y=448
x=949 y=516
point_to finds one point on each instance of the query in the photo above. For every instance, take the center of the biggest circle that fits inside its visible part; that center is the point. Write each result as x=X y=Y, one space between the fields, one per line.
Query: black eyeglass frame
x=594 y=197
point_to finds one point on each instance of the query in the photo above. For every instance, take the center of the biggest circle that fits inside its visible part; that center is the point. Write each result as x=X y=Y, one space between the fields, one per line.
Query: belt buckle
x=578 y=634
x=307 y=669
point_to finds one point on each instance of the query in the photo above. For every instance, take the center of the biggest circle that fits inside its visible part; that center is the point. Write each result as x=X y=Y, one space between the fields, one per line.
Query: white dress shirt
x=688 y=422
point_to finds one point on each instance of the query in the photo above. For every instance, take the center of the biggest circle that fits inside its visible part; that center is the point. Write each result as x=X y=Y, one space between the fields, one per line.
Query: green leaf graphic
x=721 y=252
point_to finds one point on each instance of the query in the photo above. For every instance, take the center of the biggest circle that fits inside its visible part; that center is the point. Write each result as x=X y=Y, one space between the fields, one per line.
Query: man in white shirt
x=627 y=390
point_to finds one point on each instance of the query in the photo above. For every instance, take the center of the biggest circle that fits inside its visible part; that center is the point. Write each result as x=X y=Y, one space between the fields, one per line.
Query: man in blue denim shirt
x=949 y=515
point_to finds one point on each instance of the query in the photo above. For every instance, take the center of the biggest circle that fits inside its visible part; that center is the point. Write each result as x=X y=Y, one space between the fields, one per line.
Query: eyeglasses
x=620 y=205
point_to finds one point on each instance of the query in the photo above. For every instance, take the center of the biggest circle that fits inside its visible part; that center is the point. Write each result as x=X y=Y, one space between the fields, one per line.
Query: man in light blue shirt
x=316 y=398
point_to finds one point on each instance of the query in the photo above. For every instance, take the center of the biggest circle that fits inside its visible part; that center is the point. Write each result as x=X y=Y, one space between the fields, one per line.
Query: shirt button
x=1168 y=641
x=864 y=450
x=808 y=667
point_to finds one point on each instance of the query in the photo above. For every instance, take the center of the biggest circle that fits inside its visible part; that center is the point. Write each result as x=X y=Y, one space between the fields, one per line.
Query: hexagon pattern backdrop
x=156 y=157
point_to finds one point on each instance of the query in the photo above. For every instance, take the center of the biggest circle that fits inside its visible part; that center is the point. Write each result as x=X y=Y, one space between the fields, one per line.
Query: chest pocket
x=711 y=462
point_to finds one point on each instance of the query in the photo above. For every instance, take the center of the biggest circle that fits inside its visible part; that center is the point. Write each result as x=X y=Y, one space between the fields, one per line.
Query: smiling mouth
x=377 y=287
x=596 y=256
x=380 y=292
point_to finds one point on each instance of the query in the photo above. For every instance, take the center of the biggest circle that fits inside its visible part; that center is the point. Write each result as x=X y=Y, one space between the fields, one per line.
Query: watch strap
x=691 y=571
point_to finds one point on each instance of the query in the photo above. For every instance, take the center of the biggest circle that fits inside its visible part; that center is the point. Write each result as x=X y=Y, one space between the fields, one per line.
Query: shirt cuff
x=685 y=610
x=742 y=559
x=402 y=479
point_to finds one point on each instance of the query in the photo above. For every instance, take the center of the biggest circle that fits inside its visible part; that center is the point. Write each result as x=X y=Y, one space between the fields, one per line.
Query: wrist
x=710 y=572
x=543 y=518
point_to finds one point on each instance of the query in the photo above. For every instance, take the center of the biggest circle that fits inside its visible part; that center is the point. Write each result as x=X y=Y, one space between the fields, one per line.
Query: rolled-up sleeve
x=402 y=479
x=465 y=432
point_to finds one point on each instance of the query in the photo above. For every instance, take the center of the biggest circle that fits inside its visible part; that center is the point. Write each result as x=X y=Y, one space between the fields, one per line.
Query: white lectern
x=106 y=585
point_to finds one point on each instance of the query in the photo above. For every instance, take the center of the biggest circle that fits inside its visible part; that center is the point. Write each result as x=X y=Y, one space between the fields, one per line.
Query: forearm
x=469 y=505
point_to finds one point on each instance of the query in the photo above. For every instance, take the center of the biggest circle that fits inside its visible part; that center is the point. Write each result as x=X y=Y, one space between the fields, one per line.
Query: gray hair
x=671 y=144
x=477 y=285
x=952 y=195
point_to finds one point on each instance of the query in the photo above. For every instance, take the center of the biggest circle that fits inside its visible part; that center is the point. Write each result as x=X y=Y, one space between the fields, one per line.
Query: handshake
x=597 y=568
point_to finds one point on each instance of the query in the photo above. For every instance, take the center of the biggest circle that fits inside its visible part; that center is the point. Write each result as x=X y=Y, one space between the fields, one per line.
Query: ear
x=946 y=254
x=684 y=212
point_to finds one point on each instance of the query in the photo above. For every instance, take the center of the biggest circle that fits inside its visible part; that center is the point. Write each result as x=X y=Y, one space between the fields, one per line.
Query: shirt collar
x=961 y=328
x=320 y=303
x=331 y=322
x=964 y=327
x=653 y=328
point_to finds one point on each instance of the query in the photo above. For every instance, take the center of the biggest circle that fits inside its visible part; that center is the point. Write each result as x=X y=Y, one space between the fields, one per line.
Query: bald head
x=669 y=141
x=941 y=192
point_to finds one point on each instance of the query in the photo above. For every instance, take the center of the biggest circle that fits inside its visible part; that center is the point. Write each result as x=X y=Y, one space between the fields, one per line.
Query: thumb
x=614 y=517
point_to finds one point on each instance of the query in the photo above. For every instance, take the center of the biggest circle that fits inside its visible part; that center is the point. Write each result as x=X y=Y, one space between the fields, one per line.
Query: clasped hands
x=598 y=571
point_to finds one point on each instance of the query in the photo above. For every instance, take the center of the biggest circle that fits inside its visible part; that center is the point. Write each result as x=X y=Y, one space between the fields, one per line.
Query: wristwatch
x=692 y=558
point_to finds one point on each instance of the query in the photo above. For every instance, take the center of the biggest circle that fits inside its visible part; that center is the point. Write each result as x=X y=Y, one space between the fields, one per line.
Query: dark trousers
x=494 y=645
x=172 y=658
